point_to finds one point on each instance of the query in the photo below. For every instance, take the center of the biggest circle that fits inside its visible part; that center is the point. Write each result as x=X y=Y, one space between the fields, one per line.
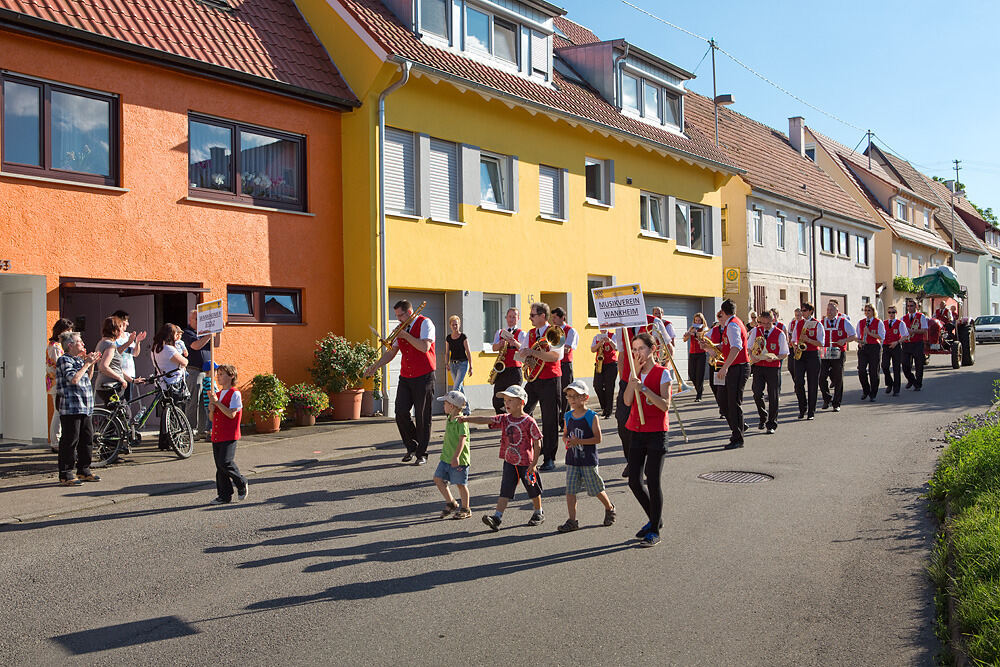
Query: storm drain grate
x=735 y=477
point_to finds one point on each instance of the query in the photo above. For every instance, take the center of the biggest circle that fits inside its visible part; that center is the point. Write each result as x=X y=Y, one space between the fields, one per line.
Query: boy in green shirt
x=454 y=464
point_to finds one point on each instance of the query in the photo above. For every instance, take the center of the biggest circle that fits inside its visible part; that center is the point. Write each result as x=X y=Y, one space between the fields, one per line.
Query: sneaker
x=537 y=518
x=761 y=426
x=89 y=478
x=463 y=513
x=448 y=509
x=219 y=501
x=651 y=540
x=492 y=521
x=645 y=529
x=407 y=458
x=610 y=515
x=771 y=430
x=241 y=494
x=421 y=460
x=810 y=418
x=70 y=482
x=836 y=408
x=569 y=526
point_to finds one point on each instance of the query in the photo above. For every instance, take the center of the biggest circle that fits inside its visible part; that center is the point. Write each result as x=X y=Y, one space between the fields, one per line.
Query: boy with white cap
x=454 y=464
x=582 y=433
x=520 y=447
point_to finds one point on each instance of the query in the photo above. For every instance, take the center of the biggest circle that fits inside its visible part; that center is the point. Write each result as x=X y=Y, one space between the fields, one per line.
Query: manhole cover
x=735 y=477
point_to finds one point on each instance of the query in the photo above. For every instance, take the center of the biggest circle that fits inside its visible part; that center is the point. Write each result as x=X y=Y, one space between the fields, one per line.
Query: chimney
x=797 y=134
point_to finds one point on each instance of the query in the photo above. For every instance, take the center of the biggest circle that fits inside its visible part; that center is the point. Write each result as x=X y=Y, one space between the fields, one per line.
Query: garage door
x=435 y=311
x=678 y=311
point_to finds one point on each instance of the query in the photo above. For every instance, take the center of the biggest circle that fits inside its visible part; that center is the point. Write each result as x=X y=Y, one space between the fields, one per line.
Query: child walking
x=582 y=432
x=520 y=446
x=226 y=410
x=454 y=464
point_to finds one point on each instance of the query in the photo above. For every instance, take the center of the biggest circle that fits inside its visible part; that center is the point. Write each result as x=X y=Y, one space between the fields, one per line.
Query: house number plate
x=4 y=265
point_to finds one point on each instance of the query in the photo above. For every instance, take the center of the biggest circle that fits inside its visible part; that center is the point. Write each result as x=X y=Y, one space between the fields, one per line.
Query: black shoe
x=771 y=430
x=491 y=521
x=569 y=526
x=421 y=460
x=810 y=418
x=888 y=390
x=650 y=540
x=745 y=428
x=864 y=395
x=917 y=388
x=547 y=466
x=826 y=403
x=802 y=415
x=895 y=393
x=872 y=399
x=537 y=518
x=625 y=472
x=734 y=445
x=836 y=408
x=761 y=426
x=645 y=530
x=909 y=385
x=408 y=457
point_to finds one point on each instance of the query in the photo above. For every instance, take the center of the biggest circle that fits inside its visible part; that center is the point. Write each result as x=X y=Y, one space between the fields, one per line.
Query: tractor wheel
x=967 y=335
x=956 y=355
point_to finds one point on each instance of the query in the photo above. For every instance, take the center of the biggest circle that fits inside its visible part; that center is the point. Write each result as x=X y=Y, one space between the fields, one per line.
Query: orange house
x=158 y=154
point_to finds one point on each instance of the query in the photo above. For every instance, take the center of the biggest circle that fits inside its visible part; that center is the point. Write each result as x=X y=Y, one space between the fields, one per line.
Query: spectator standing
x=73 y=373
x=110 y=368
x=459 y=357
x=129 y=346
x=169 y=361
x=197 y=412
x=53 y=351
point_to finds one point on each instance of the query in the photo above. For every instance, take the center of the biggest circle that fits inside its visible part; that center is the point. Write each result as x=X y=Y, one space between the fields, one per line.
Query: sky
x=921 y=75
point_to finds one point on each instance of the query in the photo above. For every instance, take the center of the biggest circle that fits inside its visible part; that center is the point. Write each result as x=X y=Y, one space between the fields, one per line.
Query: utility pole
x=715 y=92
x=954 y=191
x=869 y=151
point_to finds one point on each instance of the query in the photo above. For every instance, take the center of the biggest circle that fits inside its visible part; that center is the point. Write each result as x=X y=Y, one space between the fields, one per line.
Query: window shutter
x=550 y=191
x=443 y=180
x=399 y=171
x=539 y=53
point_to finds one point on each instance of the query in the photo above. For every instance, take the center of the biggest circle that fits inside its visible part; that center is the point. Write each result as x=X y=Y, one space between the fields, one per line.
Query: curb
x=956 y=645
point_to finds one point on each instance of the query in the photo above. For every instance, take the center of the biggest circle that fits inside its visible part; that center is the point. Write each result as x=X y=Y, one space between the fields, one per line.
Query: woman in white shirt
x=166 y=357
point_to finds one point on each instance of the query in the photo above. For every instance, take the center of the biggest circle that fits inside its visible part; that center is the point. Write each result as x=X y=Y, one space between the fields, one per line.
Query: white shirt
x=830 y=325
x=868 y=325
x=128 y=361
x=235 y=402
x=903 y=331
x=782 y=339
x=572 y=339
x=733 y=334
x=670 y=330
x=522 y=338
x=426 y=332
x=601 y=337
x=819 y=335
x=163 y=360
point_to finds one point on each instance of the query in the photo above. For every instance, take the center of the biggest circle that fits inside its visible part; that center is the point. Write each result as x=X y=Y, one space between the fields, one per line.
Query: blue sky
x=922 y=75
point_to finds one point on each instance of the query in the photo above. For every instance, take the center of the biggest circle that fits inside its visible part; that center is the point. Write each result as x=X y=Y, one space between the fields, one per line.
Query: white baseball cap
x=515 y=391
x=579 y=386
x=456 y=398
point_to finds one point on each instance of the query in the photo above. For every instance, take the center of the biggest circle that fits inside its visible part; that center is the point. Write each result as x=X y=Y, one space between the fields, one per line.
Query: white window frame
x=810 y=148
x=994 y=276
x=779 y=228
x=647 y=200
x=901 y=204
x=843 y=250
x=757 y=226
x=559 y=190
x=491 y=20
x=506 y=193
x=604 y=178
x=604 y=282
x=684 y=240
x=646 y=113
x=927 y=219
x=899 y=262
x=455 y=194
x=803 y=237
x=638 y=93
x=504 y=301
x=833 y=248
x=862 y=245
x=909 y=265
x=447 y=20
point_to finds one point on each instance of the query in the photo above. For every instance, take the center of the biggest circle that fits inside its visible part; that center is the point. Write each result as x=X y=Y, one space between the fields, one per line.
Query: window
x=494 y=183
x=231 y=161
x=505 y=40
x=598 y=180
x=488 y=34
x=690 y=223
x=782 y=294
x=994 y=278
x=442 y=177
x=826 y=239
x=724 y=224
x=672 y=108
x=900 y=209
x=920 y=265
x=780 y=229
x=927 y=219
x=264 y=304
x=651 y=214
x=862 y=243
x=592 y=282
x=59 y=132
x=630 y=92
x=434 y=17
x=759 y=300
x=757 y=226
x=811 y=152
x=539 y=55
x=400 y=171
x=909 y=263
x=550 y=192
x=477 y=30
x=491 y=318
x=803 y=237
x=899 y=263
x=803 y=297
x=843 y=243
x=651 y=101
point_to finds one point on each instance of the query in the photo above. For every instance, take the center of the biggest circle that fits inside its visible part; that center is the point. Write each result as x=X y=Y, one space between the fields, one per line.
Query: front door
x=16 y=409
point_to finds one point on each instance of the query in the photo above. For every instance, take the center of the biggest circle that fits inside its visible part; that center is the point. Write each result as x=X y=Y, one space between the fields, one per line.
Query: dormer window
x=651 y=100
x=630 y=93
x=434 y=17
x=489 y=34
x=901 y=210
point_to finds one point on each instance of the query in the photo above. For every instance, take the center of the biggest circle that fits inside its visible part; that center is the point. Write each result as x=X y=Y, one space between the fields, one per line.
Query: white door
x=16 y=409
x=434 y=310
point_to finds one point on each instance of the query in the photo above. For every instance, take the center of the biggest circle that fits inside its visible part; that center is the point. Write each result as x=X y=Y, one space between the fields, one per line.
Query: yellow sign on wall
x=731 y=280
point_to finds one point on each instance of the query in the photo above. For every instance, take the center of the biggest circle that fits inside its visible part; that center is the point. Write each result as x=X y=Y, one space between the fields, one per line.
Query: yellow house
x=524 y=160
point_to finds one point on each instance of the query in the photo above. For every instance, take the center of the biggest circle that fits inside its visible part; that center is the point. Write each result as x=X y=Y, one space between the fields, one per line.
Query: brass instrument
x=715 y=356
x=599 y=363
x=387 y=342
x=662 y=341
x=499 y=367
x=555 y=337
x=800 y=347
x=758 y=346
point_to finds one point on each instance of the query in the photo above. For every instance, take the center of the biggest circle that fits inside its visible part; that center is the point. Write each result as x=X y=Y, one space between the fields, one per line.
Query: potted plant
x=308 y=401
x=268 y=401
x=339 y=368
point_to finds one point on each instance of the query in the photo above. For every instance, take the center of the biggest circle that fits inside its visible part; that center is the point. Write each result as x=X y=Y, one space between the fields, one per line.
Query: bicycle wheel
x=110 y=436
x=178 y=431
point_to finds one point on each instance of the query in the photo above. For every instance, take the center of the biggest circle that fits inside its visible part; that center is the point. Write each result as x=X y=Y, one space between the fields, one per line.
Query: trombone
x=391 y=338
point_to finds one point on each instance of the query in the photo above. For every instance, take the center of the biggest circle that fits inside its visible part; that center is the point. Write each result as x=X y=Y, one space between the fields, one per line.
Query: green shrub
x=309 y=398
x=968 y=467
x=339 y=364
x=268 y=395
x=904 y=284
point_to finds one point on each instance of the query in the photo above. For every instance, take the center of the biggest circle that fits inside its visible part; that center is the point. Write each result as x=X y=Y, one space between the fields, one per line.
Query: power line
x=664 y=21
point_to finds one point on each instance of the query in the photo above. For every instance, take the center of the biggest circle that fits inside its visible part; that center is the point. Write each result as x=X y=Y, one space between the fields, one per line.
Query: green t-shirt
x=453 y=433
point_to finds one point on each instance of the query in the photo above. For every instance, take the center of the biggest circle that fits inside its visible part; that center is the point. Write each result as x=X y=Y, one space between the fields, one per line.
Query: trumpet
x=554 y=337
x=388 y=341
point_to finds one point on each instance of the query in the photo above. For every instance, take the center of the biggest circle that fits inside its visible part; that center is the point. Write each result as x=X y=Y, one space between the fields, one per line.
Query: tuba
x=554 y=337
x=387 y=342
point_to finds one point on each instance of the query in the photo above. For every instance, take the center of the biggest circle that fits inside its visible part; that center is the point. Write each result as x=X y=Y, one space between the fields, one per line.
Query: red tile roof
x=964 y=235
x=565 y=96
x=770 y=162
x=268 y=40
x=575 y=33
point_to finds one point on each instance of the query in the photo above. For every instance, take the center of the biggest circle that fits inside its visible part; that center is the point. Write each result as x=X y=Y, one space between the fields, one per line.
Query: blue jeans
x=460 y=369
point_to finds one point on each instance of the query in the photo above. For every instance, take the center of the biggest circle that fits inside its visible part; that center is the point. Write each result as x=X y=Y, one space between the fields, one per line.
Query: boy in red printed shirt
x=520 y=447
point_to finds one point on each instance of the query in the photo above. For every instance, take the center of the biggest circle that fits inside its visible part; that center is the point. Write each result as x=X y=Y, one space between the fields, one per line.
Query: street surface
x=343 y=561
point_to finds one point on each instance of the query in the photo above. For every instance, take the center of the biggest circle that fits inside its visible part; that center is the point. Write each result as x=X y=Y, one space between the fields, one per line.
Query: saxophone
x=499 y=366
x=599 y=364
x=800 y=347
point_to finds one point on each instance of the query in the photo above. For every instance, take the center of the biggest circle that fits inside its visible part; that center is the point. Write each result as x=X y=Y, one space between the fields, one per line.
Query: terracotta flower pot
x=267 y=423
x=304 y=418
x=347 y=404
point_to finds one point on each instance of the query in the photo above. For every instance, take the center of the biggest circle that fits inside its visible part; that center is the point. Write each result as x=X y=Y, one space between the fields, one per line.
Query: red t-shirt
x=516 y=437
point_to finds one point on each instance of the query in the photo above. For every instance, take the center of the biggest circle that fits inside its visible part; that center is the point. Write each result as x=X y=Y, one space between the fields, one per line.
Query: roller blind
x=539 y=53
x=400 y=171
x=549 y=191
x=442 y=178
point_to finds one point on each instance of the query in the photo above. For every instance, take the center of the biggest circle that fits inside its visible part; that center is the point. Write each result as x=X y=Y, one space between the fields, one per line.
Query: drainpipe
x=812 y=261
x=617 y=68
x=383 y=286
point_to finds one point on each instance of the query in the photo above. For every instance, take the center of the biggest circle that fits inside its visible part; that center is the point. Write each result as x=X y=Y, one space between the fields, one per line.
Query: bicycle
x=116 y=431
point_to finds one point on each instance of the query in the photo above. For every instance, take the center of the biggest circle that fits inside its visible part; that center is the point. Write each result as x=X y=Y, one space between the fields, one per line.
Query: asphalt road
x=344 y=562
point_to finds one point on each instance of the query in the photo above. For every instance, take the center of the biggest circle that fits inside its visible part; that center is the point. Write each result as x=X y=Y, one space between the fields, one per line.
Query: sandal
x=463 y=513
x=448 y=509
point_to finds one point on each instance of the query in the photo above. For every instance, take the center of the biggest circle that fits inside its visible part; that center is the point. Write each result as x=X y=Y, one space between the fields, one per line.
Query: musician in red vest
x=767 y=368
x=871 y=334
x=696 y=355
x=808 y=331
x=415 y=390
x=789 y=332
x=658 y=313
x=604 y=379
x=715 y=336
x=624 y=337
x=546 y=389
x=734 y=372
x=892 y=350
x=508 y=340
x=838 y=332
x=572 y=340
x=913 y=346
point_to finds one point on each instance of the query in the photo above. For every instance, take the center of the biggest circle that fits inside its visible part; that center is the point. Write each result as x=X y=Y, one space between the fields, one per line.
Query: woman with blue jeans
x=459 y=356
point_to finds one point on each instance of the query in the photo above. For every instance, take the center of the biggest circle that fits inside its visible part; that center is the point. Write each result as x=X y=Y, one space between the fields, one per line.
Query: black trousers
x=546 y=393
x=415 y=394
x=646 y=459
x=719 y=392
x=604 y=387
x=226 y=473
x=622 y=412
x=508 y=378
x=736 y=381
x=791 y=362
x=869 y=361
x=75 y=445
x=832 y=371
x=767 y=378
x=807 y=372
x=913 y=354
x=696 y=371
x=567 y=378
x=892 y=361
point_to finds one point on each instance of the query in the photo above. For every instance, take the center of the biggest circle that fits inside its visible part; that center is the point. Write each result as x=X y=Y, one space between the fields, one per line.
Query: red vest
x=916 y=338
x=892 y=332
x=781 y=327
x=624 y=368
x=656 y=419
x=772 y=345
x=693 y=347
x=837 y=333
x=225 y=428
x=508 y=358
x=724 y=346
x=610 y=349
x=567 y=351
x=798 y=326
x=866 y=334
x=551 y=369
x=416 y=363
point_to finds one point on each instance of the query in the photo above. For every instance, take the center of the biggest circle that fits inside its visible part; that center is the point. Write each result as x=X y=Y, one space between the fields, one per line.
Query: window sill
x=442 y=221
x=265 y=324
x=862 y=266
x=548 y=218
x=404 y=216
x=758 y=245
x=61 y=181
x=495 y=209
x=782 y=249
x=592 y=322
x=596 y=204
x=826 y=253
x=652 y=235
x=247 y=207
x=693 y=253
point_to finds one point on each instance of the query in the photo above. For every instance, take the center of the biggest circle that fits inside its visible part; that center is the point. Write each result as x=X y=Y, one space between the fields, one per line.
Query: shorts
x=580 y=478
x=453 y=474
x=508 y=483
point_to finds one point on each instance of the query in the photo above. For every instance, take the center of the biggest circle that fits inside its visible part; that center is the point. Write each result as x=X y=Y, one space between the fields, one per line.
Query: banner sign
x=619 y=306
x=210 y=318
